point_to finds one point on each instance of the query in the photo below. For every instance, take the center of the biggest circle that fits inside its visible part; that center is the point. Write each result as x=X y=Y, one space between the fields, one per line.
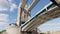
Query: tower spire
x=23 y=14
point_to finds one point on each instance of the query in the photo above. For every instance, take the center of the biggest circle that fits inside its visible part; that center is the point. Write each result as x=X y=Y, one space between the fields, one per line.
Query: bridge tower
x=24 y=14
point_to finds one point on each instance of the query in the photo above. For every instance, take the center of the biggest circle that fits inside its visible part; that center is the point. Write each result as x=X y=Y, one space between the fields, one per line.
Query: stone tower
x=23 y=14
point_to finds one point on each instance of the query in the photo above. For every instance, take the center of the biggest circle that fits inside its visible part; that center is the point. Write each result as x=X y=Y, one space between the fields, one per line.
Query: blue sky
x=9 y=9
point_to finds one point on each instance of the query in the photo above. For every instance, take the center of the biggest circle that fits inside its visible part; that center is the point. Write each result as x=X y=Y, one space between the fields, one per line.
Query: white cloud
x=10 y=0
x=2 y=9
x=3 y=5
x=3 y=17
x=12 y=7
x=7 y=5
x=3 y=21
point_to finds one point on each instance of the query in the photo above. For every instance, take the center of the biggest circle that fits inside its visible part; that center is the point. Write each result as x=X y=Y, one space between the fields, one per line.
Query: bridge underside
x=42 y=18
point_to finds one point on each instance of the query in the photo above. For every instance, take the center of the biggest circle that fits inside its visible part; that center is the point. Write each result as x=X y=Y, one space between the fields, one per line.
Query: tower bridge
x=48 y=12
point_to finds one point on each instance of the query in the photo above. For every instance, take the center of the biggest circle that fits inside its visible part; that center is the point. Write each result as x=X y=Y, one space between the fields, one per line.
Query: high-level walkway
x=49 y=12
